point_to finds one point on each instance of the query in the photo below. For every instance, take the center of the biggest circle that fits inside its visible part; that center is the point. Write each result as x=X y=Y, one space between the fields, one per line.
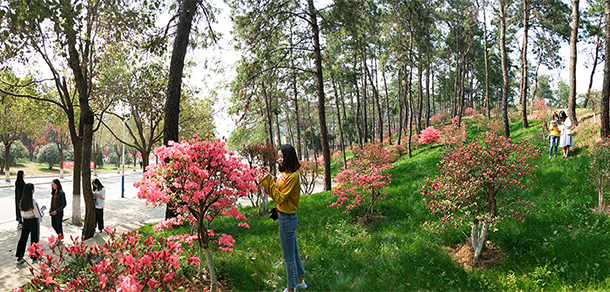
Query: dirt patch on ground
x=366 y=220
x=196 y=285
x=464 y=254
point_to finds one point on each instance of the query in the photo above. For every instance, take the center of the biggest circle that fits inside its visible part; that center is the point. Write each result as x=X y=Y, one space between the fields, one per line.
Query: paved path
x=122 y=213
x=125 y=214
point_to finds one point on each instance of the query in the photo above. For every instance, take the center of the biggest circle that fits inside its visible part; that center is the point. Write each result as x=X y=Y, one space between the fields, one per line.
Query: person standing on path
x=565 y=140
x=31 y=215
x=286 y=193
x=58 y=203
x=19 y=184
x=99 y=192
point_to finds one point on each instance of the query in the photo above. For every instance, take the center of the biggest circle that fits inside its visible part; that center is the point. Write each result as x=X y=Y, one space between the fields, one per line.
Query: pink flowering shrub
x=469 y=112
x=495 y=126
x=361 y=189
x=370 y=154
x=453 y=136
x=429 y=136
x=474 y=184
x=434 y=120
x=202 y=181
x=125 y=263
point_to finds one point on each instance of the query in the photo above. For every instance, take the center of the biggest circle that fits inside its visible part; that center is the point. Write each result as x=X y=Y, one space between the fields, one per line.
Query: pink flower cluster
x=453 y=136
x=469 y=112
x=361 y=189
x=370 y=154
x=125 y=263
x=429 y=136
x=475 y=182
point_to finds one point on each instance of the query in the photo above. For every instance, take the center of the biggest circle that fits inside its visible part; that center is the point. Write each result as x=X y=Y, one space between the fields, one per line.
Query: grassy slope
x=563 y=247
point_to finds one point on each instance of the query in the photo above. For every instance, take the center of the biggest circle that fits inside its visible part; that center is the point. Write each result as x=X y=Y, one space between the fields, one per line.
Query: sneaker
x=302 y=286
x=286 y=290
x=20 y=261
x=549 y=157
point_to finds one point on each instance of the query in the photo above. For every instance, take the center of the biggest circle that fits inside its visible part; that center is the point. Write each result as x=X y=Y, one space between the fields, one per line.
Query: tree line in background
x=325 y=78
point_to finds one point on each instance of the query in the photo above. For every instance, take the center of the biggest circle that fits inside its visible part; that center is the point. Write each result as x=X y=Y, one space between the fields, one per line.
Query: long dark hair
x=291 y=162
x=563 y=116
x=19 y=178
x=58 y=184
x=98 y=185
x=26 y=198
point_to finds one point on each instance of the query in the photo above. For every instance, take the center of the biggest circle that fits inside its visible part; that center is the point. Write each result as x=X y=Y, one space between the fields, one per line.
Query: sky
x=228 y=57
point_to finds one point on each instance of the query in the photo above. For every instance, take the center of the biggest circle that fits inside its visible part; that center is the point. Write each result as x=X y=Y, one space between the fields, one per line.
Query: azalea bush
x=434 y=120
x=429 y=135
x=469 y=111
x=453 y=136
x=361 y=189
x=202 y=181
x=475 y=183
x=369 y=154
x=128 y=262
x=599 y=174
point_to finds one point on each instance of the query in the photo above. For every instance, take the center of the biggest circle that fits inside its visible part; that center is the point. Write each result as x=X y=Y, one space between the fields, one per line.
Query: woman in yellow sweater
x=554 y=134
x=286 y=193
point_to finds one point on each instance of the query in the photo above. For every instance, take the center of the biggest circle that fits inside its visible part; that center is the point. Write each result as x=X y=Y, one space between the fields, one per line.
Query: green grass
x=563 y=247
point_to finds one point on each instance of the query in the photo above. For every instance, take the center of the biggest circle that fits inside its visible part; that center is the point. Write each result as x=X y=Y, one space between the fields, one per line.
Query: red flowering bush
x=370 y=154
x=361 y=189
x=469 y=112
x=474 y=184
x=434 y=120
x=125 y=263
x=453 y=136
x=308 y=172
x=202 y=181
x=495 y=126
x=429 y=136
x=599 y=175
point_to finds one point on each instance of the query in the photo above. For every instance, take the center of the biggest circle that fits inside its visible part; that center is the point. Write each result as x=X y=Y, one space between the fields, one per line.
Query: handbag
x=273 y=214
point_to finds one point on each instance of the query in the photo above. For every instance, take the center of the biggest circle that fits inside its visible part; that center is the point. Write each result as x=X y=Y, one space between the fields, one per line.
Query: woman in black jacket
x=19 y=184
x=31 y=215
x=58 y=203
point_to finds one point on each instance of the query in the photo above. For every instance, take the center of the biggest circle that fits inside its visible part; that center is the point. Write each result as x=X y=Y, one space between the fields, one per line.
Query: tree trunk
x=503 y=57
x=523 y=89
x=573 y=53
x=339 y=122
x=7 y=163
x=321 y=98
x=600 y=199
x=604 y=116
x=400 y=106
x=213 y=279
x=595 y=61
x=376 y=98
x=358 y=117
x=387 y=105
x=428 y=92
x=535 y=87
x=487 y=111
x=420 y=92
x=268 y=114
x=478 y=237
x=297 y=117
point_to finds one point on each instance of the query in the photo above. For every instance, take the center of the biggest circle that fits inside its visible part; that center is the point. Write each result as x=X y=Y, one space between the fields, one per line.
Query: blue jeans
x=554 y=142
x=290 y=250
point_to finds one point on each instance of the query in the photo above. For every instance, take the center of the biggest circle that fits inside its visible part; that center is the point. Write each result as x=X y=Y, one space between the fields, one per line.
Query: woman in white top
x=30 y=213
x=99 y=192
x=565 y=140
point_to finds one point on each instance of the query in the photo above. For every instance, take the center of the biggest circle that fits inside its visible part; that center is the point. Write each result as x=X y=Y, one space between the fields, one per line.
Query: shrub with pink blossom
x=128 y=262
x=308 y=173
x=453 y=136
x=429 y=136
x=469 y=112
x=202 y=181
x=434 y=120
x=474 y=186
x=361 y=189
x=370 y=154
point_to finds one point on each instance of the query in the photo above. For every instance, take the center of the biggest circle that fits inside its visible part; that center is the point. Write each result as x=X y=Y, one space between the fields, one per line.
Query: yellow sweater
x=286 y=192
x=554 y=130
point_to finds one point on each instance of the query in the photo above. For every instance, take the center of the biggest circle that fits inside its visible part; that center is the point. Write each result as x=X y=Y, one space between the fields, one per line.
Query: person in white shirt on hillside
x=565 y=140
x=99 y=192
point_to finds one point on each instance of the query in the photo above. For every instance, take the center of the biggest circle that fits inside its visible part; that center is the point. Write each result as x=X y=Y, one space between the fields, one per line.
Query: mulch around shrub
x=464 y=255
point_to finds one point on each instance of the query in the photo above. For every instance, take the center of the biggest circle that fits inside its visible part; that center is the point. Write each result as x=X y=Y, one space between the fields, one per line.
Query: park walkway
x=124 y=214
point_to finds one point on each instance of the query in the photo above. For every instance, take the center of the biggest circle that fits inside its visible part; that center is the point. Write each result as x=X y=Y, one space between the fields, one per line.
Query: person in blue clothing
x=58 y=203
